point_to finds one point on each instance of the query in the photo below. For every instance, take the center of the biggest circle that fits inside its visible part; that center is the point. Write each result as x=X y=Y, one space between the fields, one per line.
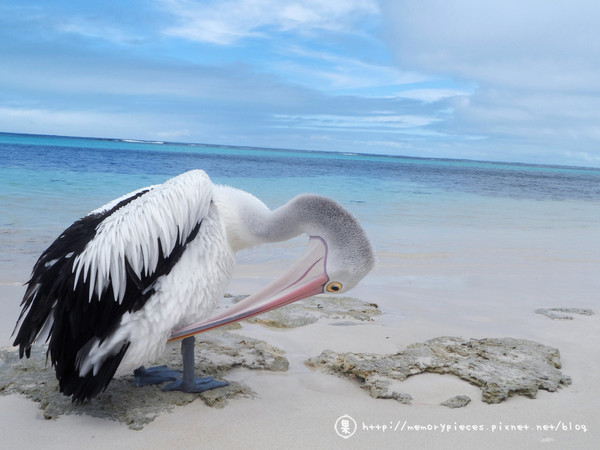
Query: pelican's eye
x=334 y=287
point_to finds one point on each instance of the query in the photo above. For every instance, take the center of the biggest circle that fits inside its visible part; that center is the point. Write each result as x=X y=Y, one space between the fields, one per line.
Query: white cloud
x=327 y=71
x=46 y=121
x=431 y=95
x=509 y=40
x=388 y=123
x=536 y=65
x=225 y=22
x=96 y=30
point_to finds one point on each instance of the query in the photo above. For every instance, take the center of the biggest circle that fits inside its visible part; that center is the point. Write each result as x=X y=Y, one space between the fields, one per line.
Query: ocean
x=409 y=206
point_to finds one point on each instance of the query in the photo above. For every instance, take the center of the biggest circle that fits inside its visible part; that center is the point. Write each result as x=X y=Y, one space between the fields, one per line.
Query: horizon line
x=284 y=150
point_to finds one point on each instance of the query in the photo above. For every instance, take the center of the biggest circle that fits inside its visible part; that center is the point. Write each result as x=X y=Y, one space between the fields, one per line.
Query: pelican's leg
x=188 y=382
x=154 y=375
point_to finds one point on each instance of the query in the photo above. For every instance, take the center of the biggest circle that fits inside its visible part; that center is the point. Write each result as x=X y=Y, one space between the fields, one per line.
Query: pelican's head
x=347 y=250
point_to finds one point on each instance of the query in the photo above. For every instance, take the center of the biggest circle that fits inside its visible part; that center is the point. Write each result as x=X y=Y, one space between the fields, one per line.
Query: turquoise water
x=47 y=182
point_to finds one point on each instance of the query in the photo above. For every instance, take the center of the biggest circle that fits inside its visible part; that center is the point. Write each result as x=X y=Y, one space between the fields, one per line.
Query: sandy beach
x=477 y=288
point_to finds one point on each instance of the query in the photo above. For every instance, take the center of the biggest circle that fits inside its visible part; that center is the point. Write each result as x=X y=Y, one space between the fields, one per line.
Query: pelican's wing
x=135 y=239
x=106 y=264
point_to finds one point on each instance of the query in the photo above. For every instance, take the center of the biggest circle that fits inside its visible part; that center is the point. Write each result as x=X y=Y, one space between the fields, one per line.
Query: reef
x=458 y=401
x=312 y=309
x=563 y=313
x=501 y=367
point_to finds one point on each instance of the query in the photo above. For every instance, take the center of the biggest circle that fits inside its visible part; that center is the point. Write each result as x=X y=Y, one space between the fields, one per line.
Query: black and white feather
x=114 y=284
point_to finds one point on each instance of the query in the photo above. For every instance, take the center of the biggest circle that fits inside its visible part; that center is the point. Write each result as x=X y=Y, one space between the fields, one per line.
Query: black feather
x=80 y=321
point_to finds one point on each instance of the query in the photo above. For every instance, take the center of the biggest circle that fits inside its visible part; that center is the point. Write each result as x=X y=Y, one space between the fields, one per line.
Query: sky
x=508 y=80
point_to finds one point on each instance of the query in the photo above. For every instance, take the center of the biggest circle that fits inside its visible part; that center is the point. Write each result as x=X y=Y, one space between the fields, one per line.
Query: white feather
x=131 y=232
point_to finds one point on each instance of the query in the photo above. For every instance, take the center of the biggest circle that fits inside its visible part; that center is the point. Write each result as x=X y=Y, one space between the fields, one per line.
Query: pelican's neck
x=249 y=222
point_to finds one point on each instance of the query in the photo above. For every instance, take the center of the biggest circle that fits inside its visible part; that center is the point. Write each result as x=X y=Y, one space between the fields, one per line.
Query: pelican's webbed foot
x=155 y=375
x=194 y=384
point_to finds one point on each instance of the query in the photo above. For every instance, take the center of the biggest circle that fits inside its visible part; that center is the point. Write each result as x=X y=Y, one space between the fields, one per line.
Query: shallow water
x=409 y=206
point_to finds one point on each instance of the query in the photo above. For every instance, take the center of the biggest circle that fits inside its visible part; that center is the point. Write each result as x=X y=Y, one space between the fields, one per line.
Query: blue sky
x=507 y=81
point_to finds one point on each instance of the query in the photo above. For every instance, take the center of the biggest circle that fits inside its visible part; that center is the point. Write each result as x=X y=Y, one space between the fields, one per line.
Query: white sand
x=466 y=289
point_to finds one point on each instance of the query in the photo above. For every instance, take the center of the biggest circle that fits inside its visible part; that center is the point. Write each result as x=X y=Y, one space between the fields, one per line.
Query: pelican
x=150 y=267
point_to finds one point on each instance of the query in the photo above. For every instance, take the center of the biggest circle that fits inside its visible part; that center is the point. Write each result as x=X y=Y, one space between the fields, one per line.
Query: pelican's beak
x=306 y=277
